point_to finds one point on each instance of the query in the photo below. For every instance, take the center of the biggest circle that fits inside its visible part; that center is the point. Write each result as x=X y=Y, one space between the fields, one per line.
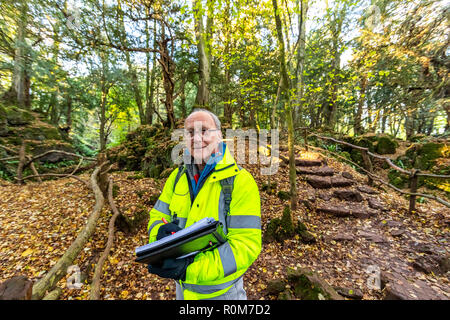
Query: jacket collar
x=225 y=166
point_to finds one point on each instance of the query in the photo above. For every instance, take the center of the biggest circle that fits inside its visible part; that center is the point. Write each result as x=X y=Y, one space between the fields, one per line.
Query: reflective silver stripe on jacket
x=161 y=206
x=227 y=258
x=207 y=289
x=153 y=225
x=244 y=222
x=182 y=222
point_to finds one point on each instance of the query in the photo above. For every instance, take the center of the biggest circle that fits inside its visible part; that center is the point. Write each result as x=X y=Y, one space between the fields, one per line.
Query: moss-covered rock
x=48 y=145
x=280 y=229
x=427 y=155
x=276 y=286
x=304 y=234
x=18 y=117
x=362 y=141
x=147 y=149
x=308 y=285
x=285 y=295
x=386 y=145
x=424 y=155
x=283 y=195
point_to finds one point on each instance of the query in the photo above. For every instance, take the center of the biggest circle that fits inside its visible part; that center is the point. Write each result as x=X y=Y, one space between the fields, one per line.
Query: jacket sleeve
x=161 y=208
x=244 y=236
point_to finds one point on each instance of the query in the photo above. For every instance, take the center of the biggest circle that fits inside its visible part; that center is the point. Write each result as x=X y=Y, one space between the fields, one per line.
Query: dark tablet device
x=203 y=235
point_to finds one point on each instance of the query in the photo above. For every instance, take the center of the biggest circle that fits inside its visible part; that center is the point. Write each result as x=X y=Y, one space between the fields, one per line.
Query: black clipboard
x=203 y=235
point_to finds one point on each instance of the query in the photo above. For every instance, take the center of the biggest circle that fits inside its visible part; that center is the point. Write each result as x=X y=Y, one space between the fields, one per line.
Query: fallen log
x=95 y=285
x=58 y=271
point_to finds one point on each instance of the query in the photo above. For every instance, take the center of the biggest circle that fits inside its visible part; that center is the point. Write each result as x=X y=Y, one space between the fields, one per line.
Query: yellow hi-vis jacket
x=214 y=272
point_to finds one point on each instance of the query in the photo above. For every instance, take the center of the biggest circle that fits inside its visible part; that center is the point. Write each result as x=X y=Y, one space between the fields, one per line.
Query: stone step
x=347 y=210
x=348 y=195
x=308 y=163
x=321 y=171
x=328 y=182
x=397 y=287
x=367 y=189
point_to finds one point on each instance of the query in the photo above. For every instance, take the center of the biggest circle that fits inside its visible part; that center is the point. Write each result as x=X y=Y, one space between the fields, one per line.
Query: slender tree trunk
x=20 y=62
x=383 y=120
x=409 y=124
x=183 y=97
x=103 y=137
x=447 y=111
x=203 y=38
x=53 y=109
x=227 y=107
x=131 y=70
x=168 y=69
x=285 y=89
x=358 y=128
x=105 y=86
x=150 y=101
x=301 y=59
x=69 y=110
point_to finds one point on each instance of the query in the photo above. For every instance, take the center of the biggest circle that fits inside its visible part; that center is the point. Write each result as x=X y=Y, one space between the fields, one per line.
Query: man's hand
x=167 y=230
x=172 y=268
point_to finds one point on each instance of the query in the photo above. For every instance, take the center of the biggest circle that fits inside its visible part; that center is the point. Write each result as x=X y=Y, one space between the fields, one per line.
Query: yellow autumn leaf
x=27 y=252
x=113 y=260
x=124 y=294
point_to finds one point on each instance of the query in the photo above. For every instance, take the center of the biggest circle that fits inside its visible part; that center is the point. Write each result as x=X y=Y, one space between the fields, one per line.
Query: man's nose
x=198 y=136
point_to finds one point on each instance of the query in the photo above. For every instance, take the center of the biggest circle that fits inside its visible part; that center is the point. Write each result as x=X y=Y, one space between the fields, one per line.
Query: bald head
x=209 y=113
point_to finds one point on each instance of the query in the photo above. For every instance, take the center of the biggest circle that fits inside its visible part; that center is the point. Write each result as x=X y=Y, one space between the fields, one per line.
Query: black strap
x=227 y=189
x=181 y=170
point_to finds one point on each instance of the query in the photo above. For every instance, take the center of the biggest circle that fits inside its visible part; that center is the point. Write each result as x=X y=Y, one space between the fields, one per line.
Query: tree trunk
x=168 y=69
x=447 y=111
x=22 y=160
x=358 y=128
x=131 y=70
x=21 y=83
x=183 y=96
x=409 y=124
x=285 y=89
x=301 y=59
x=229 y=44
x=150 y=77
x=103 y=137
x=203 y=38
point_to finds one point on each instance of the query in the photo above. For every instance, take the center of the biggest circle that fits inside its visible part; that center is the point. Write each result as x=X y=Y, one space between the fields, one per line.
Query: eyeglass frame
x=204 y=132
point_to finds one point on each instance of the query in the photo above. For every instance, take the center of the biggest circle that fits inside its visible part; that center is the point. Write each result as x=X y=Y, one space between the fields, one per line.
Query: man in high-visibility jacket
x=198 y=193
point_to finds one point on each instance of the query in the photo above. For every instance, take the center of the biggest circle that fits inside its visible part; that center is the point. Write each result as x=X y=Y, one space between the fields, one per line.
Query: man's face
x=201 y=136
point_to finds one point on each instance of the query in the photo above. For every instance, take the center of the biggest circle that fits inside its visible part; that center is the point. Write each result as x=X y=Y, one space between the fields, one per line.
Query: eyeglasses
x=190 y=133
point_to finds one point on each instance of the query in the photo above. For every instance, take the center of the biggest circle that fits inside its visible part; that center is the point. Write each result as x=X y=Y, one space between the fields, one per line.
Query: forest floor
x=39 y=221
